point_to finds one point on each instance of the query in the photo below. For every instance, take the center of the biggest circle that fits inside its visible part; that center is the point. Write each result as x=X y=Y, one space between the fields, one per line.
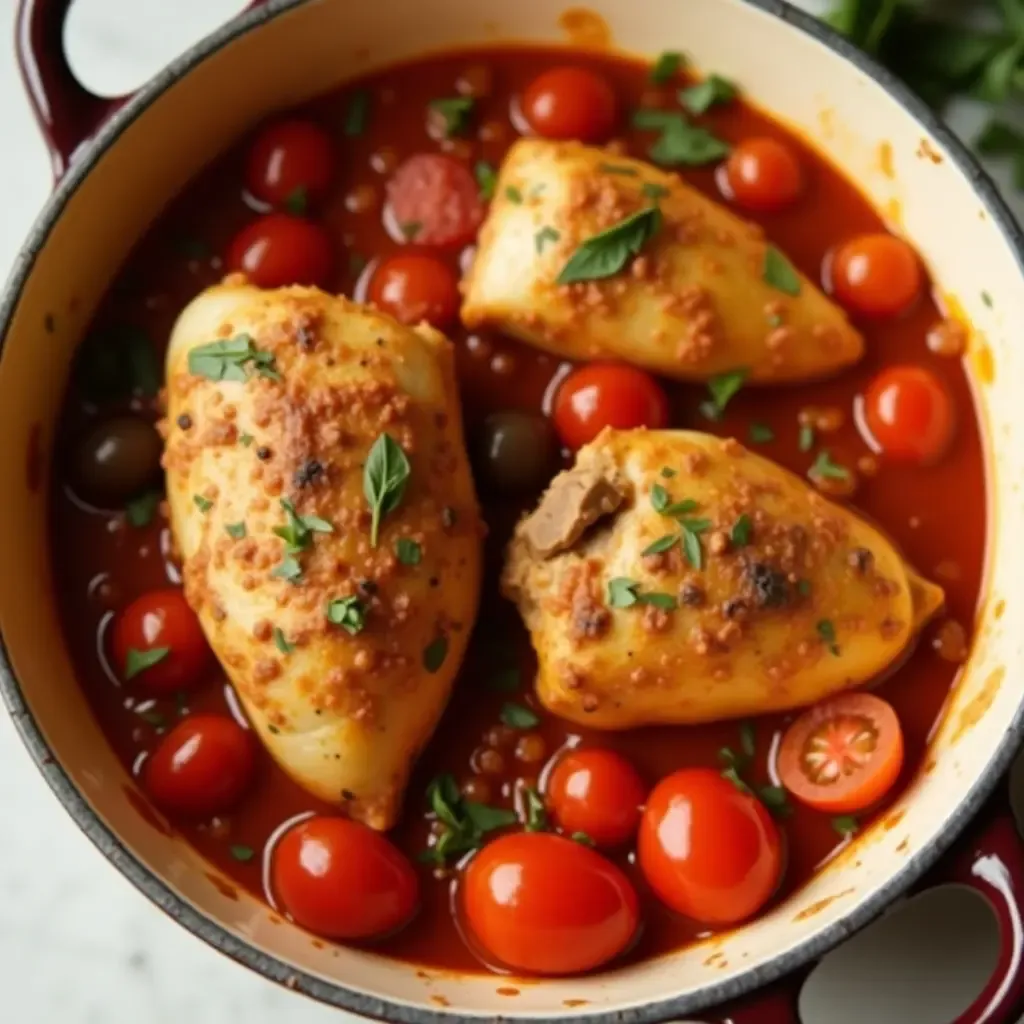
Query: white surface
x=77 y=944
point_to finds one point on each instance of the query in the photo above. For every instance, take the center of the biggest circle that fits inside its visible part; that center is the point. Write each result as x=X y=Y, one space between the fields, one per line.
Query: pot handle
x=992 y=863
x=67 y=113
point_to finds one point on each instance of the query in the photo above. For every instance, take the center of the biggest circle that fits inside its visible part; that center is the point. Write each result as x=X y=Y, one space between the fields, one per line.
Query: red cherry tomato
x=607 y=395
x=414 y=288
x=278 y=250
x=342 y=880
x=708 y=850
x=597 y=792
x=876 y=275
x=434 y=200
x=542 y=903
x=763 y=174
x=909 y=414
x=842 y=755
x=290 y=162
x=202 y=767
x=161 y=621
x=571 y=103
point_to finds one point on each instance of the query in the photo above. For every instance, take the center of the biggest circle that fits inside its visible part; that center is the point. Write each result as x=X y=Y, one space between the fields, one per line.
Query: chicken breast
x=674 y=577
x=660 y=276
x=323 y=507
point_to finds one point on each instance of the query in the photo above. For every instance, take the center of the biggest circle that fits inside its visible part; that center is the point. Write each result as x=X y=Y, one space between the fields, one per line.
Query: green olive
x=117 y=460
x=516 y=452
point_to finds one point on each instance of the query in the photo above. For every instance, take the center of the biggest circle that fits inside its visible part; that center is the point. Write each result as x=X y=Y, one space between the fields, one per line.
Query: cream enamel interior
x=316 y=46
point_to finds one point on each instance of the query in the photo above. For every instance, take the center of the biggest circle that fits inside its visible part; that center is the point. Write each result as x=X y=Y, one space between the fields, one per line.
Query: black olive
x=516 y=452
x=117 y=460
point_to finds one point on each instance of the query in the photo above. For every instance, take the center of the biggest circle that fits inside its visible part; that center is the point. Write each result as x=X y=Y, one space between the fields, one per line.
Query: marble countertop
x=78 y=945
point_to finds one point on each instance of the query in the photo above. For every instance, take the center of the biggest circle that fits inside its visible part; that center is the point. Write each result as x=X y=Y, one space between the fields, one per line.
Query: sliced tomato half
x=842 y=755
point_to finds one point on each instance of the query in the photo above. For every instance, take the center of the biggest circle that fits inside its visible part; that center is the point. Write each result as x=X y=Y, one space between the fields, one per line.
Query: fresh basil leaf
x=664 y=601
x=805 y=441
x=546 y=234
x=487 y=819
x=235 y=359
x=741 y=531
x=138 y=661
x=141 y=511
x=536 y=813
x=517 y=717
x=287 y=569
x=761 y=433
x=486 y=179
x=202 y=503
x=667 y=66
x=608 y=252
x=408 y=551
x=682 y=144
x=700 y=98
x=281 y=641
x=455 y=112
x=692 y=549
x=722 y=388
x=236 y=530
x=661 y=545
x=513 y=195
x=779 y=273
x=998 y=138
x=385 y=476
x=347 y=612
x=825 y=468
x=622 y=591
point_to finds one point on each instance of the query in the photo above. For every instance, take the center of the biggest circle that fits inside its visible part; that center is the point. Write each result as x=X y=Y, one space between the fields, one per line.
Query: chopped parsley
x=805 y=440
x=203 y=504
x=653 y=190
x=667 y=66
x=517 y=717
x=610 y=251
x=434 y=653
x=236 y=530
x=536 y=812
x=667 y=472
x=513 y=194
x=245 y=440
x=281 y=641
x=235 y=358
x=625 y=593
x=722 y=388
x=546 y=234
x=243 y=854
x=692 y=548
x=297 y=532
x=347 y=612
x=845 y=824
x=464 y=823
x=385 y=476
x=826 y=469
x=138 y=661
x=287 y=569
x=141 y=511
x=486 y=179
x=662 y=503
x=455 y=113
x=827 y=631
x=779 y=273
x=153 y=717
x=775 y=799
x=761 y=433
x=661 y=545
x=408 y=551
x=700 y=98
x=680 y=143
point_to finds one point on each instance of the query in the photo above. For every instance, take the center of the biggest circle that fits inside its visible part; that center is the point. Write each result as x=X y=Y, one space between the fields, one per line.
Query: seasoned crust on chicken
x=344 y=706
x=693 y=303
x=759 y=595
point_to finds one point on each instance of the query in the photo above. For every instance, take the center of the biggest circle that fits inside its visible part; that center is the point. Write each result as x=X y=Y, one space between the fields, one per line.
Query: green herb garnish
x=653 y=191
x=761 y=433
x=805 y=440
x=287 y=569
x=357 y=113
x=608 y=252
x=385 y=476
x=700 y=98
x=825 y=468
x=513 y=194
x=347 y=612
x=680 y=143
x=203 y=504
x=408 y=551
x=827 y=631
x=236 y=530
x=775 y=799
x=486 y=179
x=536 y=812
x=628 y=172
x=661 y=545
x=741 y=531
x=546 y=234
x=667 y=472
x=141 y=511
x=235 y=358
x=722 y=388
x=281 y=641
x=845 y=824
x=243 y=854
x=434 y=653
x=138 y=661
x=410 y=229
x=779 y=273
x=245 y=440
x=518 y=717
x=582 y=838
x=455 y=112
x=625 y=593
x=465 y=822
x=667 y=66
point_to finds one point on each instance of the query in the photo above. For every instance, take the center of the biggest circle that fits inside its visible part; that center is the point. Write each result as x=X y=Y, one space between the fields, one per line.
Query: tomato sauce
x=103 y=562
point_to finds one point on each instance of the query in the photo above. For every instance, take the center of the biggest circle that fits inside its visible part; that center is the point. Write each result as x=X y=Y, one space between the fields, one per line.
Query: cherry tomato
x=435 y=200
x=161 y=621
x=290 y=162
x=876 y=275
x=708 y=850
x=763 y=174
x=607 y=395
x=278 y=250
x=342 y=880
x=842 y=755
x=909 y=414
x=413 y=288
x=542 y=903
x=571 y=103
x=202 y=767
x=597 y=792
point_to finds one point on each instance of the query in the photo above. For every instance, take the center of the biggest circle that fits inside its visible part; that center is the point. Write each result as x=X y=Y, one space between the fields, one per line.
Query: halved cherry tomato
x=571 y=103
x=290 y=163
x=708 y=850
x=202 y=767
x=153 y=623
x=842 y=755
x=876 y=275
x=542 y=903
x=413 y=288
x=607 y=395
x=278 y=250
x=597 y=792
x=435 y=200
x=763 y=174
x=909 y=414
x=342 y=880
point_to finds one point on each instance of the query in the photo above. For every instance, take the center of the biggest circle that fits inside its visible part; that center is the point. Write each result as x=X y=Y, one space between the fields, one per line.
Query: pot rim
x=226 y=942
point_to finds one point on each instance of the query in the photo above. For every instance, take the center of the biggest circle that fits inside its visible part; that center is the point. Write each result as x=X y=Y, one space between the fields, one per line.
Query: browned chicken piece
x=675 y=577
x=597 y=257
x=322 y=503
